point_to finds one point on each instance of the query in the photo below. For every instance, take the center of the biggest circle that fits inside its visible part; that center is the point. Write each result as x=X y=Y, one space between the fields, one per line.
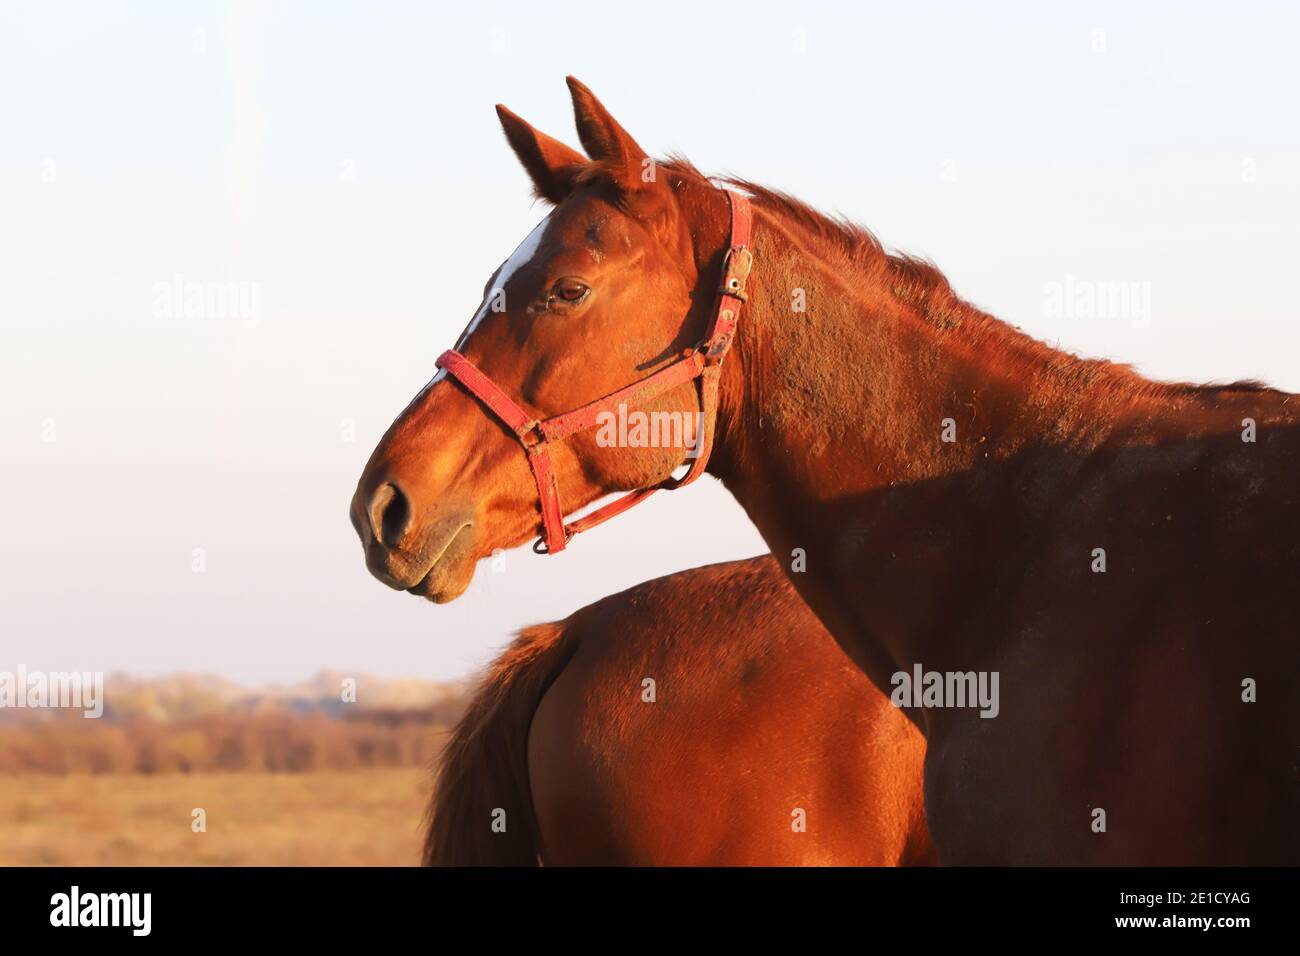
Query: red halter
x=704 y=362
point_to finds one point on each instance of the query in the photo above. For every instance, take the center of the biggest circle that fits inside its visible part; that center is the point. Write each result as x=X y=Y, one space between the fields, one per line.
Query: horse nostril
x=390 y=513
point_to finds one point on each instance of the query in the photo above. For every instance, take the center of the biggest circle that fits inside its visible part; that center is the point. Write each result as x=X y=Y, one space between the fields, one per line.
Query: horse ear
x=553 y=167
x=604 y=139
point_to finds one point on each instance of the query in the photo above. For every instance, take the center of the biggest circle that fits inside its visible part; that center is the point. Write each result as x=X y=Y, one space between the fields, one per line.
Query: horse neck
x=860 y=389
x=833 y=424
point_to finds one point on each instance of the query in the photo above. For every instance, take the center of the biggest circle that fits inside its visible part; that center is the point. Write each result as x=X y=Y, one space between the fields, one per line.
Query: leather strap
x=703 y=363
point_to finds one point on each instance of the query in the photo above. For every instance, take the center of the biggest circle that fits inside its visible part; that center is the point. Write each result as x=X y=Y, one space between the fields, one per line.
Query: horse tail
x=484 y=766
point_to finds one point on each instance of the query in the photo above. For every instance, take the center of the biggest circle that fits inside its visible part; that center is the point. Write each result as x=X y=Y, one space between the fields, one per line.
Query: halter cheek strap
x=702 y=363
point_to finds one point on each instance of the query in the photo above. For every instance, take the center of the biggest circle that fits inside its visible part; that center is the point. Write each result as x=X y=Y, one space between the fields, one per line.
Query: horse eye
x=571 y=290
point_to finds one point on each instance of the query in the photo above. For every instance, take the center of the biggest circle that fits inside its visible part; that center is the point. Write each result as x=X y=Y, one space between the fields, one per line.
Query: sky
x=235 y=236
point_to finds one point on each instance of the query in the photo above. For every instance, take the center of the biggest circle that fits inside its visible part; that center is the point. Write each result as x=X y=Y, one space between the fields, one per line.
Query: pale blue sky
x=345 y=159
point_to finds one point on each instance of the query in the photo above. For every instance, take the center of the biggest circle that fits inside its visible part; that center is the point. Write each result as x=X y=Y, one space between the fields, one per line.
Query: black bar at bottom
x=330 y=905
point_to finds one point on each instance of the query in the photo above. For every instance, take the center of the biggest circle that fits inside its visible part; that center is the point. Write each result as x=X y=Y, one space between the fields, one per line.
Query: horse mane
x=919 y=283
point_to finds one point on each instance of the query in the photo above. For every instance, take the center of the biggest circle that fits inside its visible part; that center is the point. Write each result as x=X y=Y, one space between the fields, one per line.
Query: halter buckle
x=736 y=266
x=530 y=434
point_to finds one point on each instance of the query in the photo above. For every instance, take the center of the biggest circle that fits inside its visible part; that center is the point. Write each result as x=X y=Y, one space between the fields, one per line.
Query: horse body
x=704 y=718
x=968 y=500
x=1124 y=686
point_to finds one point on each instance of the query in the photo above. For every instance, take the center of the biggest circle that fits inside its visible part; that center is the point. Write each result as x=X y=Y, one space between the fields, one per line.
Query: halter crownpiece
x=704 y=362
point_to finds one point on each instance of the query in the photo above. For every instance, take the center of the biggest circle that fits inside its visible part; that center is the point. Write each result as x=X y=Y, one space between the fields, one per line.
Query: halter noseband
x=704 y=362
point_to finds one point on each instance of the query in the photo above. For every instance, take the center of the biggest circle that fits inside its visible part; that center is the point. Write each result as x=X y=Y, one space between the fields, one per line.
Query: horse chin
x=451 y=573
x=449 y=587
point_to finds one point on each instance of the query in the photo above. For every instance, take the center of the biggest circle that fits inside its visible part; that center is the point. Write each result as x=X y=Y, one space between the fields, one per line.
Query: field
x=359 y=817
x=296 y=775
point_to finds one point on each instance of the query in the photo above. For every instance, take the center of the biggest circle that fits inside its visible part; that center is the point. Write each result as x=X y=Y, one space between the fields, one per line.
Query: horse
x=1118 y=558
x=702 y=718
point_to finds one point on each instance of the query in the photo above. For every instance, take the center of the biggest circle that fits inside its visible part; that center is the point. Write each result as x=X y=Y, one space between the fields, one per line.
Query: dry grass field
x=356 y=817
x=287 y=775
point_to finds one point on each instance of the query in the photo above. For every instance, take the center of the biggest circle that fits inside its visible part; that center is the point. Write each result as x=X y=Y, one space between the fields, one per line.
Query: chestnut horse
x=1122 y=556
x=703 y=718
